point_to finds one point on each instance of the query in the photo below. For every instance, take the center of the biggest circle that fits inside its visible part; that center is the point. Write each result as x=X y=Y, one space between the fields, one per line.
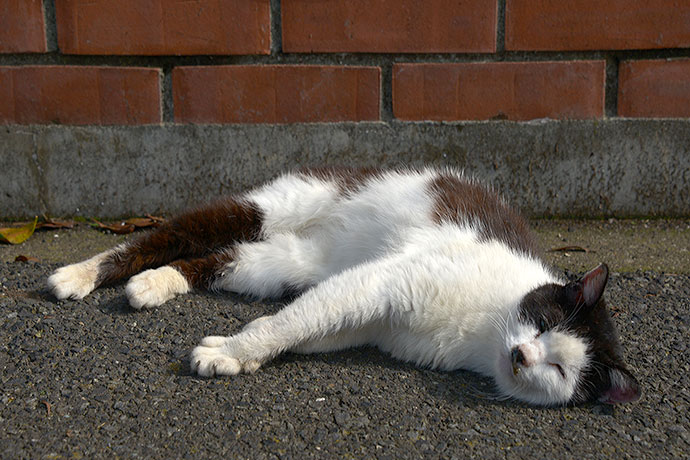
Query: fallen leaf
x=142 y=222
x=569 y=249
x=139 y=221
x=160 y=220
x=54 y=223
x=121 y=228
x=23 y=258
x=17 y=235
x=131 y=224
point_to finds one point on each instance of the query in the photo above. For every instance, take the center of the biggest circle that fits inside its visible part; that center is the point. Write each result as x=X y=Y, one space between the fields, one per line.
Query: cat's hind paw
x=152 y=288
x=215 y=357
x=74 y=281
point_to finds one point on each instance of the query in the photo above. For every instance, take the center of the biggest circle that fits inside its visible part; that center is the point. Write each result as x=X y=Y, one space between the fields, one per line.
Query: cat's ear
x=588 y=290
x=623 y=387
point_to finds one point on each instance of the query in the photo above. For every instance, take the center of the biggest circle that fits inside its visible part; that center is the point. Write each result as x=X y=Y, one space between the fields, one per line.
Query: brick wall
x=284 y=61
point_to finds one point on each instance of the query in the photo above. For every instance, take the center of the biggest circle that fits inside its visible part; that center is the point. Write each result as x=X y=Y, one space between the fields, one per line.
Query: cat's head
x=562 y=347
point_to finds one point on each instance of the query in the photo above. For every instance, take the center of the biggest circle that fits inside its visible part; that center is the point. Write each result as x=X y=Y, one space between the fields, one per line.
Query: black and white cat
x=427 y=265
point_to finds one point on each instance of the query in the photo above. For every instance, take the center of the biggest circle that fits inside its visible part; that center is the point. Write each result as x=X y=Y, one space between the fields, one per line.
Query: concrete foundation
x=547 y=168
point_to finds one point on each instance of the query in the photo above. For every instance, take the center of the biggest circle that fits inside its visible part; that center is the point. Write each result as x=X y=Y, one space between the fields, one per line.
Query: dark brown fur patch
x=194 y=234
x=462 y=201
x=200 y=272
x=347 y=179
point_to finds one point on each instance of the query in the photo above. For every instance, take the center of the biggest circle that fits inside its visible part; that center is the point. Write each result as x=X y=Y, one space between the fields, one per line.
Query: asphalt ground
x=96 y=379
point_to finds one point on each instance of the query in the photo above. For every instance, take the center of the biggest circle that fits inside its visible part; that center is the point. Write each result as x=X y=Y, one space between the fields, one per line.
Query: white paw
x=76 y=281
x=73 y=281
x=217 y=356
x=151 y=288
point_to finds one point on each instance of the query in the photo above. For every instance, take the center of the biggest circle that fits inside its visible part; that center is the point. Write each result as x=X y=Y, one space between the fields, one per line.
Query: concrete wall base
x=597 y=168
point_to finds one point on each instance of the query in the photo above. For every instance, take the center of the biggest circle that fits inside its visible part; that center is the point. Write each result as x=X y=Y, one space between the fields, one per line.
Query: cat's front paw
x=152 y=288
x=74 y=281
x=218 y=356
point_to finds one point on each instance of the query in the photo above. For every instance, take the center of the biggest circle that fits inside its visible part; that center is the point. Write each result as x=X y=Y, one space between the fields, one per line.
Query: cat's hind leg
x=76 y=281
x=262 y=269
x=193 y=234
x=153 y=287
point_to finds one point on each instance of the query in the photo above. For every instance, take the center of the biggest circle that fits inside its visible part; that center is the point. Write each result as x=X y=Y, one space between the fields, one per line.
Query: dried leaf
x=142 y=222
x=54 y=223
x=131 y=224
x=569 y=249
x=121 y=228
x=17 y=235
x=160 y=220
x=23 y=258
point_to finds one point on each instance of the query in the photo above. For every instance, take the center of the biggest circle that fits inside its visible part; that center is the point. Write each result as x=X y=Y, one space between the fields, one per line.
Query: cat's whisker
x=498 y=322
x=575 y=311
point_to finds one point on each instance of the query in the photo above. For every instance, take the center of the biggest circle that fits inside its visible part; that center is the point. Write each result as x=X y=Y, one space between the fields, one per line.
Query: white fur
x=266 y=268
x=76 y=281
x=293 y=203
x=384 y=273
x=310 y=237
x=151 y=288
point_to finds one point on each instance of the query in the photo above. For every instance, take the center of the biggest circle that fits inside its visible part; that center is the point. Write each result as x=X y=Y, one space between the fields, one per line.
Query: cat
x=428 y=265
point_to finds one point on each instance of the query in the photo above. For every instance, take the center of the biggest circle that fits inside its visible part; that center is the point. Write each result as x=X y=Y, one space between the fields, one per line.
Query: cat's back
x=313 y=199
x=465 y=201
x=367 y=212
x=419 y=198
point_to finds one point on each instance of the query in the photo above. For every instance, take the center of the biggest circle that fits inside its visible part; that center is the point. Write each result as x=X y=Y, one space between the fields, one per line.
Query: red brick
x=275 y=94
x=595 y=24
x=511 y=90
x=160 y=27
x=654 y=89
x=389 y=26
x=79 y=95
x=22 y=27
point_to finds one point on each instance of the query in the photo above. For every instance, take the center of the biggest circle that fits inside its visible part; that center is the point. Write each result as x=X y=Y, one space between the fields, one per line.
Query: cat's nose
x=518 y=357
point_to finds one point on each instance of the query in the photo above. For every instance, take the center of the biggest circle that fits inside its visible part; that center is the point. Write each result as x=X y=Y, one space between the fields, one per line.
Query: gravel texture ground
x=95 y=379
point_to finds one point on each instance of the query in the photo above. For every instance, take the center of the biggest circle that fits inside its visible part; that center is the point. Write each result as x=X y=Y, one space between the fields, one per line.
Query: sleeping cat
x=427 y=265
